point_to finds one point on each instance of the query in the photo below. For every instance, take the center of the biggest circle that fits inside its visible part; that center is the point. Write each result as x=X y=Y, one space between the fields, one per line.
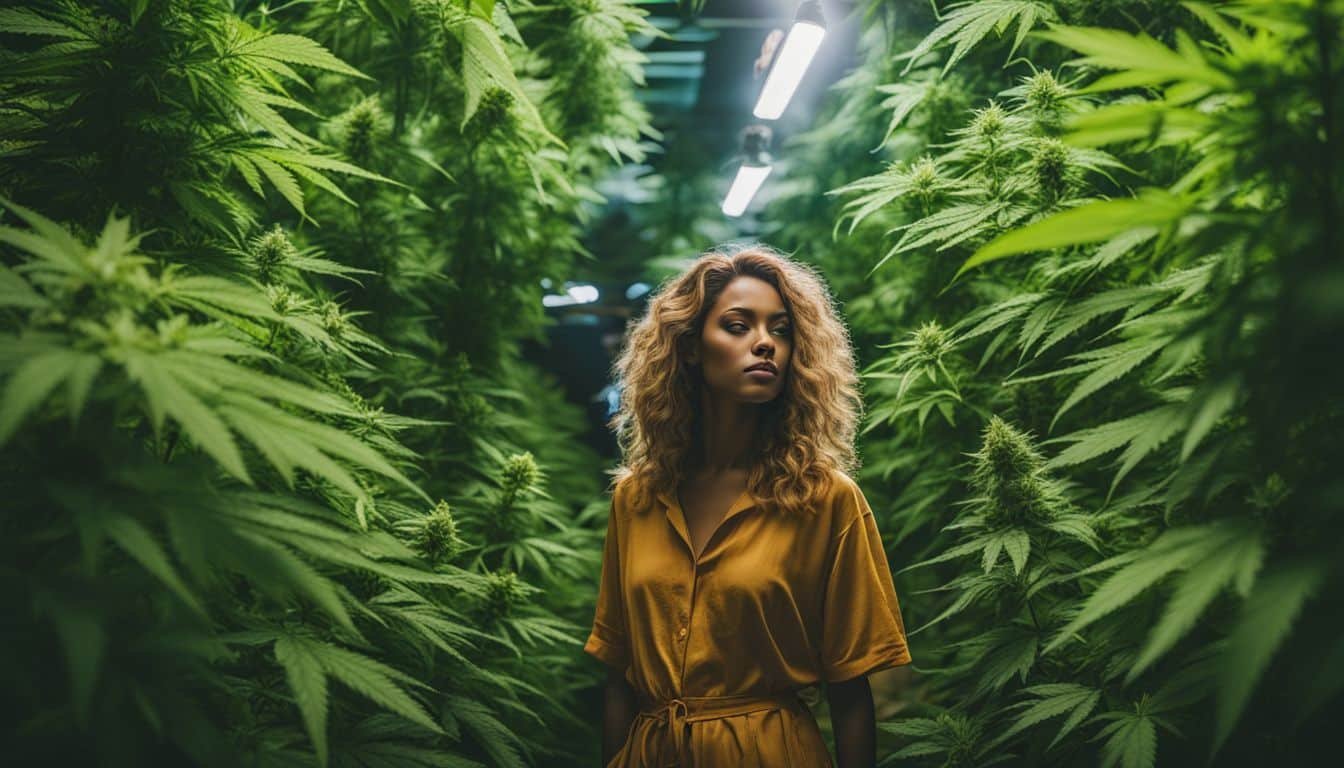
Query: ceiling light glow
x=748 y=180
x=791 y=64
x=583 y=294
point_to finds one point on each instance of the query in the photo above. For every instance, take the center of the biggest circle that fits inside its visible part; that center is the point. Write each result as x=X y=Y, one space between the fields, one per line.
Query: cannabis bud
x=504 y=592
x=931 y=342
x=371 y=418
x=1050 y=168
x=989 y=123
x=333 y=319
x=492 y=114
x=437 y=537
x=282 y=298
x=519 y=472
x=924 y=179
x=270 y=253
x=1010 y=475
x=363 y=128
x=1005 y=453
x=1044 y=96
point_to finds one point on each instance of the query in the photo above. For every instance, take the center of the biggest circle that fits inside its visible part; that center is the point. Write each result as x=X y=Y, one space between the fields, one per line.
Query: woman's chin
x=760 y=396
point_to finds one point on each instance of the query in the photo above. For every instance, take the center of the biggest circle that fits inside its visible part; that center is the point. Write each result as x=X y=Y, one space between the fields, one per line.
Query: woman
x=741 y=562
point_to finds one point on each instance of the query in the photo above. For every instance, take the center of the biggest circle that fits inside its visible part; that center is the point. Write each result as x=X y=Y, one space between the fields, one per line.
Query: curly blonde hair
x=805 y=435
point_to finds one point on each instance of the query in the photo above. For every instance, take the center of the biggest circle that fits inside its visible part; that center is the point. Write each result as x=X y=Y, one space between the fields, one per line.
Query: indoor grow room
x=302 y=308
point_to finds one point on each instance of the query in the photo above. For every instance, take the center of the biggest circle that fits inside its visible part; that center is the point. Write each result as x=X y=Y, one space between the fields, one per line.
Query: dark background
x=701 y=88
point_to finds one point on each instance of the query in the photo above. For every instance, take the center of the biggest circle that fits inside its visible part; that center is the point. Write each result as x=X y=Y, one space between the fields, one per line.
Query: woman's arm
x=852 y=721
x=619 y=712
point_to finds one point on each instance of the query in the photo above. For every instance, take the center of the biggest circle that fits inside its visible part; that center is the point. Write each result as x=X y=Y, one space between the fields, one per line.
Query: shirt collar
x=677 y=517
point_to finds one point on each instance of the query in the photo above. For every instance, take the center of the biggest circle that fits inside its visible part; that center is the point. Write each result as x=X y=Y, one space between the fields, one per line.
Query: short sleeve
x=607 y=641
x=862 y=629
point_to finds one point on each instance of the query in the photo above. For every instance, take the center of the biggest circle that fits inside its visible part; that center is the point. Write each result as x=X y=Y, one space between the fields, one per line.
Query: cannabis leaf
x=968 y=23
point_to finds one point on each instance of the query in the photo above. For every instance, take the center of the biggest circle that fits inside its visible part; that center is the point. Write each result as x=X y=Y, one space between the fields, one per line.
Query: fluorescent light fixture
x=792 y=61
x=583 y=294
x=745 y=184
x=755 y=166
x=580 y=293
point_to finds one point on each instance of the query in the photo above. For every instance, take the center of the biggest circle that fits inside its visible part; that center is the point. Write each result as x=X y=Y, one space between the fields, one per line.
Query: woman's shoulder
x=843 y=498
x=840 y=484
x=625 y=490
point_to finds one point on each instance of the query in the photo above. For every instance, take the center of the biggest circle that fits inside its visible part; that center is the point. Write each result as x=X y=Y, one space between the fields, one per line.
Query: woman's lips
x=762 y=374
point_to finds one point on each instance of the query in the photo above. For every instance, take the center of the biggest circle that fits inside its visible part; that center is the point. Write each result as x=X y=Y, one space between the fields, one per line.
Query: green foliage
x=968 y=23
x=279 y=488
x=1110 y=271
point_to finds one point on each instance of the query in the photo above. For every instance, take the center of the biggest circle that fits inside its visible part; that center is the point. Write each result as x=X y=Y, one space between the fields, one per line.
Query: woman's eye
x=783 y=330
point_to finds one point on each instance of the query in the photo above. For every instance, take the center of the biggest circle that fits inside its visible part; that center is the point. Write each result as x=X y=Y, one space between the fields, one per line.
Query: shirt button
x=681 y=632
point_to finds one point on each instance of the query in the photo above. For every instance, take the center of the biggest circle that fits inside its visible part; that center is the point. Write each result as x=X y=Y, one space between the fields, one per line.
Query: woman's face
x=746 y=328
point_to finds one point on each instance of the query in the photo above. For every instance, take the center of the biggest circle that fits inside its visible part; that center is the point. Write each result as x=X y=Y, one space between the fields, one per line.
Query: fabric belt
x=679 y=712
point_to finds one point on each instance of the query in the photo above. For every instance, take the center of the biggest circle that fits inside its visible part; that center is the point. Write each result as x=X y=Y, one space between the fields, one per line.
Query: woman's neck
x=726 y=439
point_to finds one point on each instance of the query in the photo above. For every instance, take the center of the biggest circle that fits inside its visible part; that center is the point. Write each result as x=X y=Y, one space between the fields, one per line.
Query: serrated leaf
x=1132 y=743
x=902 y=99
x=1174 y=550
x=502 y=744
x=485 y=63
x=283 y=181
x=1052 y=701
x=1089 y=223
x=16 y=292
x=373 y=680
x=1237 y=559
x=34 y=380
x=308 y=683
x=297 y=49
x=273 y=566
x=23 y=21
x=1145 y=60
x=166 y=393
x=140 y=544
x=1267 y=614
x=1018 y=545
x=83 y=640
x=1214 y=404
x=1119 y=360
x=1097 y=441
x=968 y=23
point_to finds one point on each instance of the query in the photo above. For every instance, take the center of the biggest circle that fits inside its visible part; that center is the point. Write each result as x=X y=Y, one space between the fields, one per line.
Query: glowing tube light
x=792 y=61
x=748 y=180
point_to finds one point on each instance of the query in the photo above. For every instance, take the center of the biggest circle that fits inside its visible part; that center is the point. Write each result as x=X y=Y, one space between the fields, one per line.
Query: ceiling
x=700 y=83
x=700 y=90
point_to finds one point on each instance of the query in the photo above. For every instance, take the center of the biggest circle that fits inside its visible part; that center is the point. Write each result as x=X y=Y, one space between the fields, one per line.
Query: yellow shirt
x=717 y=648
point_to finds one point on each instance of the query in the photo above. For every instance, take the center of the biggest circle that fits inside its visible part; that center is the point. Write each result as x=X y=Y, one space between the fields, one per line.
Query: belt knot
x=679 y=712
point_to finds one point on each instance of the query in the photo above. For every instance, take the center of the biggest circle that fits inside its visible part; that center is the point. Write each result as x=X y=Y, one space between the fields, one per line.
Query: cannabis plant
x=1134 y=413
x=260 y=322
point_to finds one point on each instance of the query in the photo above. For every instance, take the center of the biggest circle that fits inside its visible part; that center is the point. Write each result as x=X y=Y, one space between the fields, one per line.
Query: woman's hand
x=852 y=721
x=618 y=713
